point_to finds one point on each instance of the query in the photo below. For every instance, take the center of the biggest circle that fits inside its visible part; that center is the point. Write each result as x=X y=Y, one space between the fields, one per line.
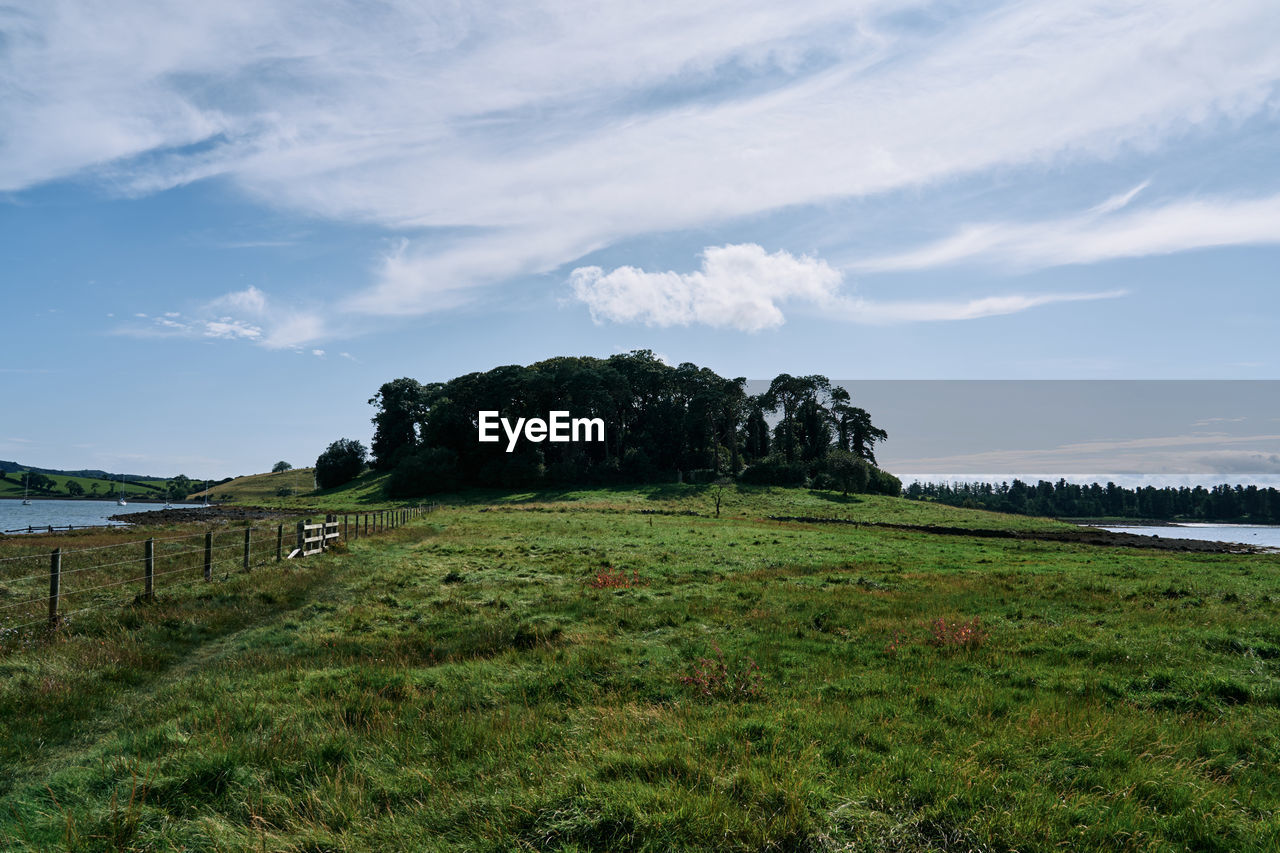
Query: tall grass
x=465 y=684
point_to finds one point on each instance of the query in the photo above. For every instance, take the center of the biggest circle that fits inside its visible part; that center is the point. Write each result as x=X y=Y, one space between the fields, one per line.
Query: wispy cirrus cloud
x=1100 y=234
x=744 y=287
x=547 y=131
x=244 y=315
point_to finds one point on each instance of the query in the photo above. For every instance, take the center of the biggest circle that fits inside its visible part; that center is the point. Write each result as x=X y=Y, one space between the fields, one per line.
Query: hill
x=88 y=474
x=295 y=488
x=12 y=486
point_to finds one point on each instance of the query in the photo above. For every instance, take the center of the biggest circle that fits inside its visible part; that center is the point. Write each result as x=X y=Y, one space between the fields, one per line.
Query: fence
x=83 y=579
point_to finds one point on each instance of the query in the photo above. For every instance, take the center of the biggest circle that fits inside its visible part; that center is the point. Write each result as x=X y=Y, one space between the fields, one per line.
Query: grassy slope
x=256 y=488
x=11 y=487
x=459 y=685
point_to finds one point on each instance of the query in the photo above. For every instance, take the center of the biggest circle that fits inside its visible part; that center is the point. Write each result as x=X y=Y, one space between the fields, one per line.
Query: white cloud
x=742 y=287
x=244 y=315
x=1101 y=234
x=226 y=327
x=922 y=311
x=295 y=329
x=318 y=353
x=547 y=131
x=251 y=300
x=738 y=286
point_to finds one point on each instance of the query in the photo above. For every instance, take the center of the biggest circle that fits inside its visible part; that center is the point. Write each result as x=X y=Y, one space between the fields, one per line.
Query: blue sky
x=222 y=229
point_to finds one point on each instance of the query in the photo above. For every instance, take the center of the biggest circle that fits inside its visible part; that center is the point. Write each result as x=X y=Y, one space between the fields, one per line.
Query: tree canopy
x=340 y=463
x=662 y=422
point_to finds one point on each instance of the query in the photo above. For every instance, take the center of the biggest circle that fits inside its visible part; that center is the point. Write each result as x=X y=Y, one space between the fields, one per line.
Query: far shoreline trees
x=662 y=423
x=1222 y=503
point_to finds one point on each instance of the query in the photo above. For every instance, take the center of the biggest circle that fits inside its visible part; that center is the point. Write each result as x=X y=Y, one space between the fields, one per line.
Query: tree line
x=662 y=423
x=1223 y=503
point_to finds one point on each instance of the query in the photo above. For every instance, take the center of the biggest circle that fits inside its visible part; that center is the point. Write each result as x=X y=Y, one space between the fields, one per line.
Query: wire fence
x=42 y=590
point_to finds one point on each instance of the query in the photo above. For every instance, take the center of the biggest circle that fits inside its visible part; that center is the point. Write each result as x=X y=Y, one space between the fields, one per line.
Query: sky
x=224 y=226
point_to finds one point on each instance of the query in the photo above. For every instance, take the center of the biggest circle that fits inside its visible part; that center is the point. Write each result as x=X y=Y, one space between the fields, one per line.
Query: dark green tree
x=402 y=406
x=849 y=472
x=341 y=463
x=281 y=466
x=854 y=430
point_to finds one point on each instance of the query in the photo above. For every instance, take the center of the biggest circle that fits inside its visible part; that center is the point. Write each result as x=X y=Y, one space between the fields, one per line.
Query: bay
x=1257 y=535
x=43 y=513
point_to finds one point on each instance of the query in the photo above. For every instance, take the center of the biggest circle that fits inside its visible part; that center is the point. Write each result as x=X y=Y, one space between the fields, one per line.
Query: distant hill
x=88 y=473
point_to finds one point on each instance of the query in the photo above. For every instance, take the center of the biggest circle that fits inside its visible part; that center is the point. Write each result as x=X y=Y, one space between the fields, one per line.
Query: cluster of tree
x=661 y=423
x=37 y=482
x=1068 y=500
x=341 y=462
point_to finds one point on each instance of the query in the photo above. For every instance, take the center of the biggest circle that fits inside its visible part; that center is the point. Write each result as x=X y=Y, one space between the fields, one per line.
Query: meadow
x=622 y=670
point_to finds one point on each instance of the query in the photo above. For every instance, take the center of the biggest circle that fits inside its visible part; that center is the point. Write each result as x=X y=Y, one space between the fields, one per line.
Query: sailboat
x=25 y=500
x=121 y=501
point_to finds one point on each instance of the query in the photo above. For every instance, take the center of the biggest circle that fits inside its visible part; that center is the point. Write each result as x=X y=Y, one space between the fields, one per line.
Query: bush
x=884 y=483
x=775 y=471
x=341 y=463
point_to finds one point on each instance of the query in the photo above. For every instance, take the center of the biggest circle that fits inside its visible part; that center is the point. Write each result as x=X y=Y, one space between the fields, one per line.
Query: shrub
x=341 y=463
x=606 y=579
x=714 y=678
x=956 y=634
x=775 y=471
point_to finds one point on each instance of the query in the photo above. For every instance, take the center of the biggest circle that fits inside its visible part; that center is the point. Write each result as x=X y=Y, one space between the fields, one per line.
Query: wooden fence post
x=149 y=588
x=246 y=548
x=301 y=534
x=279 y=540
x=55 y=581
x=208 y=556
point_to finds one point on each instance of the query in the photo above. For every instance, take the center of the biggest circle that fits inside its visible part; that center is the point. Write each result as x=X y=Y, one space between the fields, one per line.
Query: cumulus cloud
x=743 y=286
x=738 y=286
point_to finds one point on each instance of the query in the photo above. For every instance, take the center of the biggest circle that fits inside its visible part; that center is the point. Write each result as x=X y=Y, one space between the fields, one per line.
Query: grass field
x=596 y=670
x=11 y=486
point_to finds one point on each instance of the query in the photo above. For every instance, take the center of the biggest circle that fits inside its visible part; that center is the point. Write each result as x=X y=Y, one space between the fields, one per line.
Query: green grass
x=363 y=493
x=461 y=684
x=11 y=486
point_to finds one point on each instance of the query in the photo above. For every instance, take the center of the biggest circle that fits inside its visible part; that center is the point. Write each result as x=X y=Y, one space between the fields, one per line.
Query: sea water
x=43 y=513
x=1257 y=535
